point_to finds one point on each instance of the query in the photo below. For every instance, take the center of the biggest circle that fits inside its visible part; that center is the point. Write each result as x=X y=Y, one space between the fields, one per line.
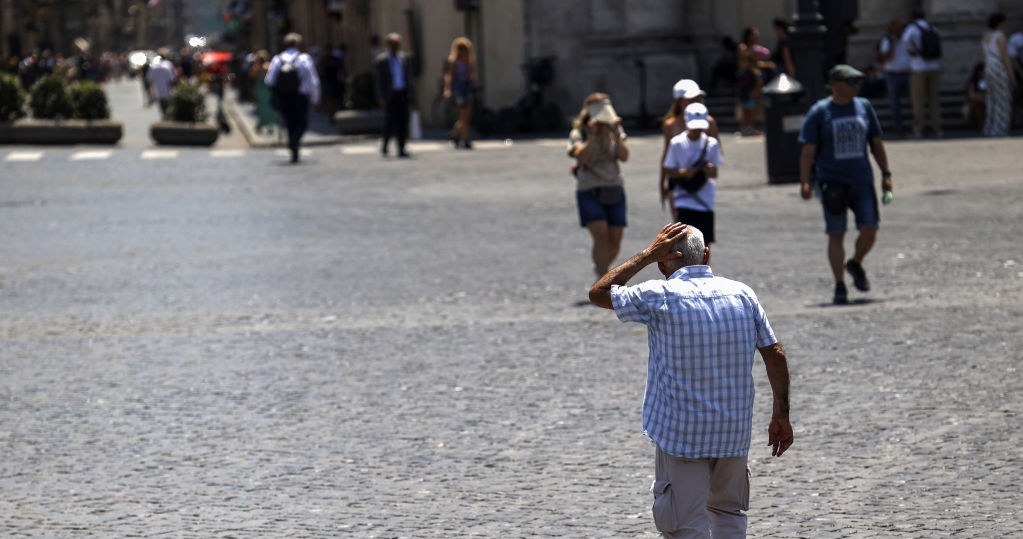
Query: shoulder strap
x=703 y=152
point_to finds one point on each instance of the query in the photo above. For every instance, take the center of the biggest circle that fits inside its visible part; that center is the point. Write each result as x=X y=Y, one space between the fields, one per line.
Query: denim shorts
x=862 y=202
x=592 y=210
x=461 y=93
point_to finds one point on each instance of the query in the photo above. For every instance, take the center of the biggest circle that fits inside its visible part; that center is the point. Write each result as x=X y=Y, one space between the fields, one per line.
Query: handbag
x=609 y=195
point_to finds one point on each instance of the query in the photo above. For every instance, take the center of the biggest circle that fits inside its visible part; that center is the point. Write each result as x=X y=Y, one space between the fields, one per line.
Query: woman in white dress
x=999 y=76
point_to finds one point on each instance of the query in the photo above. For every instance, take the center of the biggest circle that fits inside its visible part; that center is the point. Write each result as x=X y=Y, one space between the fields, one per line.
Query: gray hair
x=691 y=246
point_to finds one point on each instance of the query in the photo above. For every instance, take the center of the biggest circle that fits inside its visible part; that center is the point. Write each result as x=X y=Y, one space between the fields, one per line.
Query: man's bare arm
x=780 y=430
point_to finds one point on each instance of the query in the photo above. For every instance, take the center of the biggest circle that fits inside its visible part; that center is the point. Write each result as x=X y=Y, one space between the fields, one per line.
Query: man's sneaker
x=859 y=276
x=841 y=294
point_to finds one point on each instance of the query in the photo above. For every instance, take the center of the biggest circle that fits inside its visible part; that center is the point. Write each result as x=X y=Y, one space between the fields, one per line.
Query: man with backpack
x=836 y=134
x=924 y=45
x=295 y=84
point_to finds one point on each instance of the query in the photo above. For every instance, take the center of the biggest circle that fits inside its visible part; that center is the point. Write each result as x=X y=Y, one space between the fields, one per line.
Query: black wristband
x=886 y=174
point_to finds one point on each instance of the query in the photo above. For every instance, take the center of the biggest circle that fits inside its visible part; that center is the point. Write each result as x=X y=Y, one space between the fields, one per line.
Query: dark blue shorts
x=590 y=209
x=863 y=203
x=461 y=93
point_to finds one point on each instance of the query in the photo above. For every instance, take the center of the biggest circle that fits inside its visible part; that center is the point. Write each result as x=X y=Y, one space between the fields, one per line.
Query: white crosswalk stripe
x=158 y=154
x=23 y=156
x=362 y=148
x=227 y=153
x=91 y=155
x=359 y=150
x=494 y=144
x=303 y=152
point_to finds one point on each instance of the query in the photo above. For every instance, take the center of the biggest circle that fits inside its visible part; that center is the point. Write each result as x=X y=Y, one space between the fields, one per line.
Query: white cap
x=696 y=116
x=687 y=88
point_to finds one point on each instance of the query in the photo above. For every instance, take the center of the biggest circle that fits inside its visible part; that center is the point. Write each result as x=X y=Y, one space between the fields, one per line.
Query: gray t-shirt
x=603 y=169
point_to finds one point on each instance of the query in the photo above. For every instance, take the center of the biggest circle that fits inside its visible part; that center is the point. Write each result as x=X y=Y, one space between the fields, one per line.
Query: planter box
x=61 y=132
x=359 y=122
x=183 y=133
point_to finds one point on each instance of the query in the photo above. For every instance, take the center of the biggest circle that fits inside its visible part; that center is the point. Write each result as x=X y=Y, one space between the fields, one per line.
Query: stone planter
x=183 y=133
x=61 y=132
x=359 y=122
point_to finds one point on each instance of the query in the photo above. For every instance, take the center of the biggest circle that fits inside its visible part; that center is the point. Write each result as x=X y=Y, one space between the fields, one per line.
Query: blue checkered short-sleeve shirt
x=703 y=333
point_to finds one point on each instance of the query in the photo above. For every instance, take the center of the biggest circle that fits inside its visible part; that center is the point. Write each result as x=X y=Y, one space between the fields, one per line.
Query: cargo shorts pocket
x=664 y=506
x=836 y=197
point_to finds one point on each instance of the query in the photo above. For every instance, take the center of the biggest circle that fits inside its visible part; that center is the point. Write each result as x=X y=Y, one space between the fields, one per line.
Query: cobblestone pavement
x=380 y=348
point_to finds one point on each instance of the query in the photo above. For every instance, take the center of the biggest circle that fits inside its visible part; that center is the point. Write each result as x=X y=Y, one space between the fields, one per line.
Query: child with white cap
x=691 y=166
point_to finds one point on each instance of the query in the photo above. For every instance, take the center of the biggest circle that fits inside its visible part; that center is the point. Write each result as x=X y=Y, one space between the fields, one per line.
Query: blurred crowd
x=78 y=67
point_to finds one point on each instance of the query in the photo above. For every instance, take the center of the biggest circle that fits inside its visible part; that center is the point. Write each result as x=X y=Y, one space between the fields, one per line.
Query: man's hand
x=779 y=435
x=659 y=251
x=805 y=190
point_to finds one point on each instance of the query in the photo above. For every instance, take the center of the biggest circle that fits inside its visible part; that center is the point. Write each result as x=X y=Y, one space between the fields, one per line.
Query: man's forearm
x=778 y=376
x=600 y=293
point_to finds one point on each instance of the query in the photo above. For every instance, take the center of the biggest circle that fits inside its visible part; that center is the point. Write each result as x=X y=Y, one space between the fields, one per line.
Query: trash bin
x=783 y=117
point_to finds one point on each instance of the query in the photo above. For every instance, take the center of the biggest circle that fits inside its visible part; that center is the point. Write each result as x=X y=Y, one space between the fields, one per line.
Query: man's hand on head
x=660 y=249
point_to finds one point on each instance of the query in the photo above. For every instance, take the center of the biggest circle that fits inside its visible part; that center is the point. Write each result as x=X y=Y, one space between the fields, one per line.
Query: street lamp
x=808 y=52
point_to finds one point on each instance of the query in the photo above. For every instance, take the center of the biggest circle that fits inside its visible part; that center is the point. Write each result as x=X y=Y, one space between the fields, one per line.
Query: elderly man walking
x=703 y=332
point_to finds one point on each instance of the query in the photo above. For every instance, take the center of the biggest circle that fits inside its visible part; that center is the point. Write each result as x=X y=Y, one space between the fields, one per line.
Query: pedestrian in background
x=924 y=77
x=895 y=59
x=703 y=335
x=161 y=80
x=976 y=98
x=296 y=86
x=393 y=77
x=753 y=59
x=1014 y=47
x=597 y=143
x=459 y=80
x=836 y=134
x=1000 y=77
x=691 y=166
x=266 y=114
x=782 y=54
x=685 y=92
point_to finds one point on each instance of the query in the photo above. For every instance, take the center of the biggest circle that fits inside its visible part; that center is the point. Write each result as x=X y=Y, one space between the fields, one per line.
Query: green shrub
x=89 y=101
x=49 y=99
x=12 y=98
x=361 y=92
x=187 y=104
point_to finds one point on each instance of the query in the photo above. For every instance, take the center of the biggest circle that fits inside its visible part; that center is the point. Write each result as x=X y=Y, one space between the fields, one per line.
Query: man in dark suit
x=393 y=78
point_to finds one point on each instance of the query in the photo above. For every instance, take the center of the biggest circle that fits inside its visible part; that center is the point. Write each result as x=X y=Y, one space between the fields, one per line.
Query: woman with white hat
x=597 y=142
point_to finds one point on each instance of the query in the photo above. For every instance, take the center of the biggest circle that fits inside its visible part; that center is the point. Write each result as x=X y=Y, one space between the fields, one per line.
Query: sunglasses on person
x=854 y=81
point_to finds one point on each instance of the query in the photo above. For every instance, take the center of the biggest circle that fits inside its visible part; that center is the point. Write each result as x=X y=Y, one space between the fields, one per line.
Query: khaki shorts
x=694 y=496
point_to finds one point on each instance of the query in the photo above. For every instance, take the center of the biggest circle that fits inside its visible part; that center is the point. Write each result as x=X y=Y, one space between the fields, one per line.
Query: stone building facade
x=633 y=49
